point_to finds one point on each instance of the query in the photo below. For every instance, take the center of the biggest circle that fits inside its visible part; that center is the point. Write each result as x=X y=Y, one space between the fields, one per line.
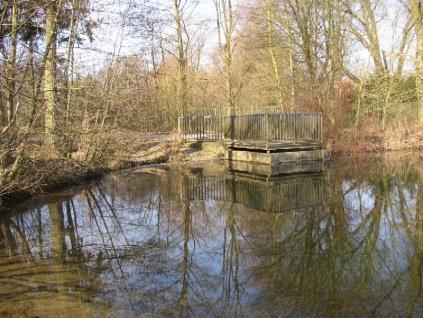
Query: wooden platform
x=272 y=146
x=267 y=143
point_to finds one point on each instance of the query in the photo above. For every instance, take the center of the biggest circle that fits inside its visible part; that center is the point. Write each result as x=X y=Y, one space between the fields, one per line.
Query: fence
x=271 y=127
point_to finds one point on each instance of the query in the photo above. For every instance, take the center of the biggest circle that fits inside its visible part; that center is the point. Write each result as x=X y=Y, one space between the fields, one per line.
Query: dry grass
x=42 y=169
x=373 y=139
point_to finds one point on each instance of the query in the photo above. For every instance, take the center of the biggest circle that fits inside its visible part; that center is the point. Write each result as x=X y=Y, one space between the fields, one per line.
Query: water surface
x=201 y=241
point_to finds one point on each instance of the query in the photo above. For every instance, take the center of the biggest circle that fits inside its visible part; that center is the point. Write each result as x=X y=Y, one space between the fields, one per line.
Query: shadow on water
x=201 y=241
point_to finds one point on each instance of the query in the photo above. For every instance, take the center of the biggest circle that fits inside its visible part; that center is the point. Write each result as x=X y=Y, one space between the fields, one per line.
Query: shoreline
x=161 y=154
x=70 y=172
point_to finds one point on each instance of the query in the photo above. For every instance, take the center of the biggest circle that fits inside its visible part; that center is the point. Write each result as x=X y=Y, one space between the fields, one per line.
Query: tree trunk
x=372 y=33
x=3 y=112
x=404 y=46
x=224 y=19
x=50 y=74
x=11 y=63
x=70 y=57
x=417 y=13
x=270 y=8
x=182 y=58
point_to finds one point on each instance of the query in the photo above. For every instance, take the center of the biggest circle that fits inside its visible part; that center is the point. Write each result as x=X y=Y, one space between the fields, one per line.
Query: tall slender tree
x=417 y=14
x=225 y=31
x=270 y=14
x=178 y=15
x=50 y=71
x=11 y=63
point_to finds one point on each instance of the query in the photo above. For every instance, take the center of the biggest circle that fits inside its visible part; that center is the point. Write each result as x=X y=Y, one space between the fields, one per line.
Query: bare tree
x=50 y=71
x=178 y=6
x=363 y=25
x=270 y=13
x=416 y=7
x=11 y=63
x=225 y=31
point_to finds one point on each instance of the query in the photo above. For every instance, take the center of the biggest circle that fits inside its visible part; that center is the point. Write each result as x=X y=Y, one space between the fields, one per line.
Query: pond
x=202 y=241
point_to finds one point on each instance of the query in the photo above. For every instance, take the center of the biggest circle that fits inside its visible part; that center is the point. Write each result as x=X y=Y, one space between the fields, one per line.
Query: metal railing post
x=267 y=130
x=179 y=128
x=295 y=128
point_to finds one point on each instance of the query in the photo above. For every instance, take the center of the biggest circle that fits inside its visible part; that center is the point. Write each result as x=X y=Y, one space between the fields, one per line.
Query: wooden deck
x=262 y=132
x=275 y=158
x=269 y=139
x=272 y=146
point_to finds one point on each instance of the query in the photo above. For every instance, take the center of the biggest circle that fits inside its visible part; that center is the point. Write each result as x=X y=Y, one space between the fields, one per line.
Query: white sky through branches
x=117 y=33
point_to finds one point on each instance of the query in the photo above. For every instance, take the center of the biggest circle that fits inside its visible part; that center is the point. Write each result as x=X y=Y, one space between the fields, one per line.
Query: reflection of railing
x=273 y=127
x=283 y=195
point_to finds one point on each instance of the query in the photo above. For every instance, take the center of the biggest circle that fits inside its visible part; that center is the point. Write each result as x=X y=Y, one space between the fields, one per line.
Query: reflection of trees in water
x=37 y=266
x=154 y=250
x=231 y=285
x=347 y=259
x=186 y=264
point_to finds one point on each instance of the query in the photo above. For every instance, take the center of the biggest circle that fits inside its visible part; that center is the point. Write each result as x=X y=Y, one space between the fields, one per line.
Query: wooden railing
x=271 y=127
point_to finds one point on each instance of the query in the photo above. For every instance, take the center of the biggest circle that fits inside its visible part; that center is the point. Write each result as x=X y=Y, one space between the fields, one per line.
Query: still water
x=201 y=241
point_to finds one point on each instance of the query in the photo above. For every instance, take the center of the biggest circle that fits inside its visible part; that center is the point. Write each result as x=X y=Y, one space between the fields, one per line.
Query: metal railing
x=201 y=128
x=270 y=127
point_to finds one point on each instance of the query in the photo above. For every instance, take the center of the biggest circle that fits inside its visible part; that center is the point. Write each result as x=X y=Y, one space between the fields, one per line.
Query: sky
x=116 y=35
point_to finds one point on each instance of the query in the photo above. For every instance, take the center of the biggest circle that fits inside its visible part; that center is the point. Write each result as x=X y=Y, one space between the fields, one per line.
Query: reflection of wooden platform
x=287 y=194
x=275 y=158
x=269 y=171
x=269 y=146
